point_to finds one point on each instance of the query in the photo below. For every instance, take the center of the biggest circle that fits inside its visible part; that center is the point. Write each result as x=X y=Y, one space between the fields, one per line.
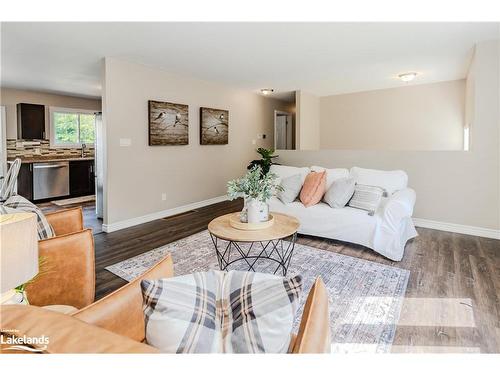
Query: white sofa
x=386 y=232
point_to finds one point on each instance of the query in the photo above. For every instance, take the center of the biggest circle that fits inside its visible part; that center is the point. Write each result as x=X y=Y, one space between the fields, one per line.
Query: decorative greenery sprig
x=254 y=185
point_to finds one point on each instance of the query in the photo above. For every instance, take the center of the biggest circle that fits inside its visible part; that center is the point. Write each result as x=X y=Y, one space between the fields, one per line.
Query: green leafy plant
x=266 y=161
x=254 y=185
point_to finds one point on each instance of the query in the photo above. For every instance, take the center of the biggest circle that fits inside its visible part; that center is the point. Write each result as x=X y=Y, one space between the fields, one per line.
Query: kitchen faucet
x=84 y=146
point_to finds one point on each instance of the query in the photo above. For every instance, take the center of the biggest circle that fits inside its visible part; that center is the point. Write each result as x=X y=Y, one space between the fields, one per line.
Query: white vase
x=259 y=211
x=253 y=210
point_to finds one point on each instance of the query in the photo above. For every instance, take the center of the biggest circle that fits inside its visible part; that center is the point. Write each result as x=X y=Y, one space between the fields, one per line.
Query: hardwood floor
x=452 y=301
x=89 y=216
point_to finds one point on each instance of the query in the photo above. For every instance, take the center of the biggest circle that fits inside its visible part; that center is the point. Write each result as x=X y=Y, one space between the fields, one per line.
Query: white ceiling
x=321 y=58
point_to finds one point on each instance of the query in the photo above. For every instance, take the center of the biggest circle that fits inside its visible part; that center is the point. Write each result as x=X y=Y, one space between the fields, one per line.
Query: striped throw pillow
x=221 y=312
x=367 y=198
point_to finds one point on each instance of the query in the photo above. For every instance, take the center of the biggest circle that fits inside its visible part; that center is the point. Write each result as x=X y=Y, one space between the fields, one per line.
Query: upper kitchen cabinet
x=30 y=121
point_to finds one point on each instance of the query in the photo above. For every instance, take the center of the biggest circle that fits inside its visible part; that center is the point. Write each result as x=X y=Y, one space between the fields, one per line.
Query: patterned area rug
x=365 y=297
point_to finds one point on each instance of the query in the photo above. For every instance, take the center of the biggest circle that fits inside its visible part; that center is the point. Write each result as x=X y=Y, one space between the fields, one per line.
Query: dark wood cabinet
x=25 y=181
x=30 y=121
x=81 y=178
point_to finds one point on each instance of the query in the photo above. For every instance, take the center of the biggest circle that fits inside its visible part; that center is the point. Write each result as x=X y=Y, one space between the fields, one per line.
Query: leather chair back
x=121 y=311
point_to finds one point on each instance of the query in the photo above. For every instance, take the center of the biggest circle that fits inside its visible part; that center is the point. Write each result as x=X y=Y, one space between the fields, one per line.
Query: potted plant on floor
x=256 y=189
x=265 y=162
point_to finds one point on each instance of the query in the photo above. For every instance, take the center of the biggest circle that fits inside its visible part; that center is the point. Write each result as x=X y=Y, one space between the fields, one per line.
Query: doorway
x=3 y=143
x=283 y=131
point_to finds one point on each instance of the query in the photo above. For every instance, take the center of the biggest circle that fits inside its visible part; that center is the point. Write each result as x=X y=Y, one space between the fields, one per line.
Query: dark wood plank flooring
x=89 y=215
x=446 y=269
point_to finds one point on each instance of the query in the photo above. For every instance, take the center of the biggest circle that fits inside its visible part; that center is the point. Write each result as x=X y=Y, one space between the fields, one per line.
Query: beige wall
x=11 y=97
x=137 y=175
x=416 y=117
x=452 y=186
x=308 y=121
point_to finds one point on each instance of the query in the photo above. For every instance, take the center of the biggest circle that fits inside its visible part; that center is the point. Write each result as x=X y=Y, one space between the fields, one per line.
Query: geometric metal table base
x=276 y=250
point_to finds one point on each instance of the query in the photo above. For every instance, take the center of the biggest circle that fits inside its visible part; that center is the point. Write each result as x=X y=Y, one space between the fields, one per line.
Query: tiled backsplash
x=39 y=148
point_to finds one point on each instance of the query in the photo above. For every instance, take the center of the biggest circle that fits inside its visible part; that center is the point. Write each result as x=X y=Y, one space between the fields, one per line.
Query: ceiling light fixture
x=407 y=77
x=266 y=91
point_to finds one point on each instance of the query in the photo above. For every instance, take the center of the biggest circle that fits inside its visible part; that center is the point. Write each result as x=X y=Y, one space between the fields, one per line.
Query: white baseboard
x=160 y=214
x=457 y=228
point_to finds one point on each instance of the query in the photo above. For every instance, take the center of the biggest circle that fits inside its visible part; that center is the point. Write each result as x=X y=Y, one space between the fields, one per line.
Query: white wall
x=452 y=186
x=11 y=97
x=415 y=117
x=308 y=121
x=139 y=174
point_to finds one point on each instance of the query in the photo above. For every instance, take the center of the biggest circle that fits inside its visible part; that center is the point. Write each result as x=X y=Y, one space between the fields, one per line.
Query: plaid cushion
x=219 y=312
x=17 y=203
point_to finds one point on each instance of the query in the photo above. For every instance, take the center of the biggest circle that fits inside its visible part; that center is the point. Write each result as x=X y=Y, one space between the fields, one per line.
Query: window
x=71 y=127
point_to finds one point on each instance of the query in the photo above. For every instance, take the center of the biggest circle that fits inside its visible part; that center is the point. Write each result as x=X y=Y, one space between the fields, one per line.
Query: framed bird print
x=168 y=124
x=214 y=126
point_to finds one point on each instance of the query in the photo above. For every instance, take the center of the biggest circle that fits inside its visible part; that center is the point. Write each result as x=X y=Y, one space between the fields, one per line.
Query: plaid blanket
x=221 y=312
x=17 y=203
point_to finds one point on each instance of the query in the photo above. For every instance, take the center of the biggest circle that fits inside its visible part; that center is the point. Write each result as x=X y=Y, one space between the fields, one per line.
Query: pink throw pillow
x=313 y=189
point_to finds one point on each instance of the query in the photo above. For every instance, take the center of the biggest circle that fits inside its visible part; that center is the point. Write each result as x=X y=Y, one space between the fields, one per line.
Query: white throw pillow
x=366 y=198
x=221 y=312
x=340 y=192
x=284 y=171
x=291 y=188
x=331 y=174
x=391 y=181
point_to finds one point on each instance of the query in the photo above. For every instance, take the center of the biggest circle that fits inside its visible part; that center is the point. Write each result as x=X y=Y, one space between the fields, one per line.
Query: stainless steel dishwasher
x=50 y=179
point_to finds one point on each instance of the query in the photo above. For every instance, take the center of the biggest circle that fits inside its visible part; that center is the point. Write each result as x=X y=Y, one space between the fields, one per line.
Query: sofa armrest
x=314 y=330
x=398 y=206
x=66 y=221
x=121 y=311
x=65 y=333
x=69 y=274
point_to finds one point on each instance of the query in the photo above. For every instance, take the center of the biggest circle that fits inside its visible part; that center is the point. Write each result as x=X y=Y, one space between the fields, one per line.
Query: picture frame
x=214 y=126
x=168 y=123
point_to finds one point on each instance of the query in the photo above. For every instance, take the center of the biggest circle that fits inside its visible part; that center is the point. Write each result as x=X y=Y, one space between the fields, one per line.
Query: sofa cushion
x=367 y=198
x=291 y=188
x=284 y=171
x=391 y=181
x=17 y=203
x=313 y=188
x=340 y=192
x=221 y=312
x=331 y=174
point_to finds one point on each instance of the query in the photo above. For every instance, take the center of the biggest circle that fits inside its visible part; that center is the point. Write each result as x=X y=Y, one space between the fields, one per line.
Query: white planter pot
x=256 y=211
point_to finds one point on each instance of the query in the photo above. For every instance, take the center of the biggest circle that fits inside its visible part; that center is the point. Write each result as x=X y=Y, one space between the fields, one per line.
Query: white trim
x=160 y=214
x=52 y=110
x=457 y=228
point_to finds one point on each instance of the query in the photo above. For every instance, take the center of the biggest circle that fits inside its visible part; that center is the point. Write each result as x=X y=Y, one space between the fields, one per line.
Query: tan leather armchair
x=69 y=278
x=120 y=315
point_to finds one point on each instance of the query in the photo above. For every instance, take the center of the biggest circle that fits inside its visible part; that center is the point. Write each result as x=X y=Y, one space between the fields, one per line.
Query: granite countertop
x=50 y=159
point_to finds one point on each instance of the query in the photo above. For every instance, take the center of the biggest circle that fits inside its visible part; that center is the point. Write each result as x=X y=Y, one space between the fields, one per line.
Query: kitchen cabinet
x=81 y=178
x=25 y=181
x=30 y=121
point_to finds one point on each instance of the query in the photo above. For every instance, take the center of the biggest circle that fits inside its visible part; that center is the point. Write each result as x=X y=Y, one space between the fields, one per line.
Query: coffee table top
x=284 y=226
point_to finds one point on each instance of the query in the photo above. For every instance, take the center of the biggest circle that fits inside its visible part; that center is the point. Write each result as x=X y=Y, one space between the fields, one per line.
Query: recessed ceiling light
x=266 y=91
x=407 y=77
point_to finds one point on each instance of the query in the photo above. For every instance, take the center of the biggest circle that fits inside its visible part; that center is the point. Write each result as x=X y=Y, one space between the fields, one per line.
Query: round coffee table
x=275 y=243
